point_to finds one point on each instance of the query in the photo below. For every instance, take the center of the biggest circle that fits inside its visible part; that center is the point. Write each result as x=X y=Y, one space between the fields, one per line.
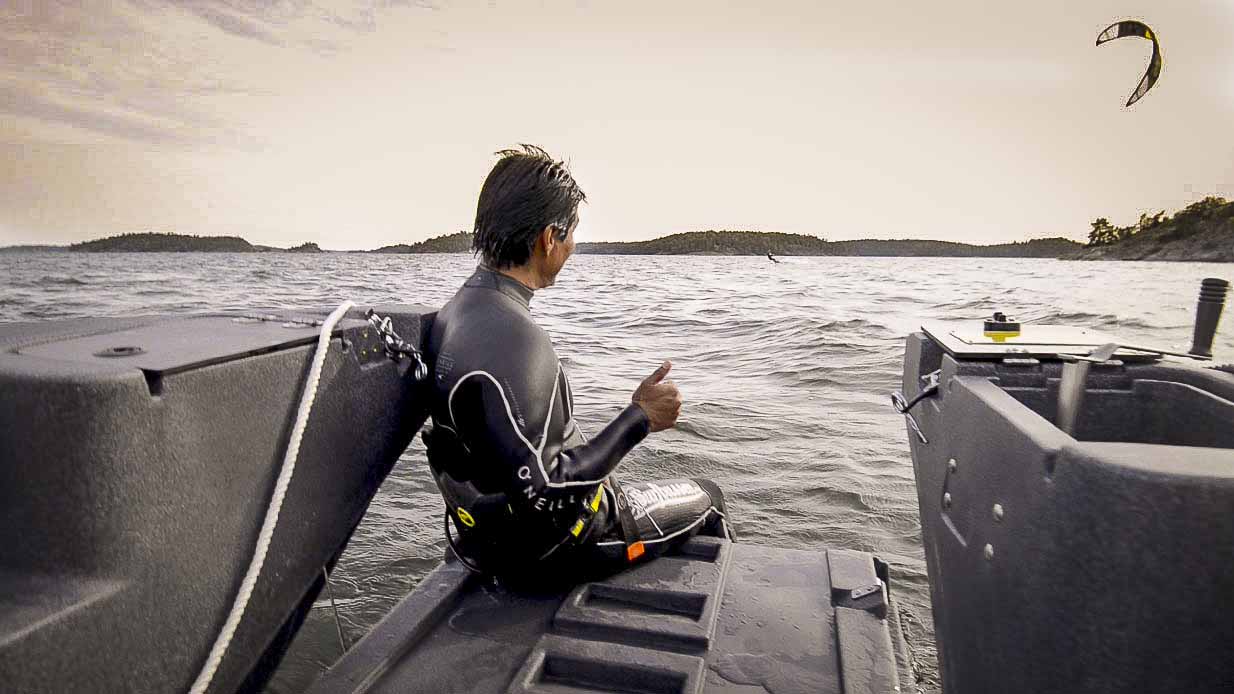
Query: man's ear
x=548 y=238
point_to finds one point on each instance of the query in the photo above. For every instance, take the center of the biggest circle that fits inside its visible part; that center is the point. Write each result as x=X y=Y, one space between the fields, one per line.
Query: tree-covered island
x=1203 y=231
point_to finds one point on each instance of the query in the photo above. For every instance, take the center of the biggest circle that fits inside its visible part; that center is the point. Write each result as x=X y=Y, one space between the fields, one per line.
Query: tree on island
x=1204 y=230
x=1103 y=233
x=1211 y=209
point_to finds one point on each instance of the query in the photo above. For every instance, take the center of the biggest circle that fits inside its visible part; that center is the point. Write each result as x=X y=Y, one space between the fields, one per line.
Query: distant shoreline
x=706 y=243
x=1203 y=232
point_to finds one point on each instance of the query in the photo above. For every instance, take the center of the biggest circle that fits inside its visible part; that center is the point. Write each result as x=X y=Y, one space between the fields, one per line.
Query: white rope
x=276 y=504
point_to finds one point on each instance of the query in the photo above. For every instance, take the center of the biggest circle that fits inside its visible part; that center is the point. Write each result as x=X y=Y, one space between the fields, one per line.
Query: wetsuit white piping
x=548 y=419
x=519 y=432
x=653 y=522
x=453 y=431
x=701 y=518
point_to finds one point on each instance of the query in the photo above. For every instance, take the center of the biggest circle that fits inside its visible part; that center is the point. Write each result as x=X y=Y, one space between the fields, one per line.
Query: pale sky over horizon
x=356 y=124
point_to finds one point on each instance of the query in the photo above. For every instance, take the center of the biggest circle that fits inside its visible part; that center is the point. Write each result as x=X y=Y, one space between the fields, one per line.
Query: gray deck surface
x=718 y=618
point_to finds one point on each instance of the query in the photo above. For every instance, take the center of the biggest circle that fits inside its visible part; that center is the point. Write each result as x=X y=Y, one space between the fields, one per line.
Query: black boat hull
x=133 y=483
x=1094 y=563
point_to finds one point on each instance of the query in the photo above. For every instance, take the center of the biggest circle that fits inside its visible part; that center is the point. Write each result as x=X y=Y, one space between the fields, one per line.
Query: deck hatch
x=670 y=603
x=661 y=602
x=563 y=665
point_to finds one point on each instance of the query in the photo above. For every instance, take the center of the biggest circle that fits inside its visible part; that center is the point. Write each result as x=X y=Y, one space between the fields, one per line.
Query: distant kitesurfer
x=524 y=488
x=772 y=258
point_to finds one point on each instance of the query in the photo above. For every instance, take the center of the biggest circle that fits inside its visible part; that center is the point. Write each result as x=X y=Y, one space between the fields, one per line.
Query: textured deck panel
x=717 y=618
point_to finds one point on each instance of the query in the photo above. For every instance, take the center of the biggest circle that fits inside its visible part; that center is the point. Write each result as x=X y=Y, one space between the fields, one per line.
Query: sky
x=356 y=124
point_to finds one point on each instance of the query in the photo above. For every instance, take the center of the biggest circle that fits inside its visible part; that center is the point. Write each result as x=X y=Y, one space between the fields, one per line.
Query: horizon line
x=67 y=245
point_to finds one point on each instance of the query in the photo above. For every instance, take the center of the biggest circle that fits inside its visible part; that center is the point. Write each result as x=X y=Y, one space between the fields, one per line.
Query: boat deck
x=717 y=617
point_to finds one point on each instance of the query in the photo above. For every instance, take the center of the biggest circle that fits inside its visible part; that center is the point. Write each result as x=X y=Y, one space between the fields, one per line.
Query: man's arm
x=530 y=457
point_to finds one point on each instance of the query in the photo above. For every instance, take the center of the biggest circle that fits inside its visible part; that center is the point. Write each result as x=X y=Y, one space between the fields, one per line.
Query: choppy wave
x=1100 y=320
x=784 y=370
x=58 y=280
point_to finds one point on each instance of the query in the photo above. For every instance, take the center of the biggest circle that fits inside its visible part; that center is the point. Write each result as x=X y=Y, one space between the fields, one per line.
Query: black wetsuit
x=519 y=479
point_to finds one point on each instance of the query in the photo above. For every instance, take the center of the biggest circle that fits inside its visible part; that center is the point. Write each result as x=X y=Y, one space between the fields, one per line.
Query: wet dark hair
x=526 y=191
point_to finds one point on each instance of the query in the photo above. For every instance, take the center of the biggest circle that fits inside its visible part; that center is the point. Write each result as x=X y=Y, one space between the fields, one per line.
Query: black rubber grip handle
x=1208 y=315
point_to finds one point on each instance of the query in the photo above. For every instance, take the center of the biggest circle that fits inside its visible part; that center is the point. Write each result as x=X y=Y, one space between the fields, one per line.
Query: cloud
x=164 y=72
x=96 y=120
x=272 y=22
x=232 y=23
x=154 y=126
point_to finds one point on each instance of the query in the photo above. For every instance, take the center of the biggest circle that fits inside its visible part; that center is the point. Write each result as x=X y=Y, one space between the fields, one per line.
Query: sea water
x=784 y=369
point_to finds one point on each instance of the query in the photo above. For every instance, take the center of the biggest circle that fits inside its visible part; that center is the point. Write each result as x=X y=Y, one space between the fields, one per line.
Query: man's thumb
x=659 y=374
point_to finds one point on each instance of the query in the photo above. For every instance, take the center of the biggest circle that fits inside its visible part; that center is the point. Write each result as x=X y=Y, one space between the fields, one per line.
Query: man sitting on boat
x=522 y=484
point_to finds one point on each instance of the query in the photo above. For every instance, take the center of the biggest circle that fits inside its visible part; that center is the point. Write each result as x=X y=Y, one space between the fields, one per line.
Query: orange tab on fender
x=634 y=551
